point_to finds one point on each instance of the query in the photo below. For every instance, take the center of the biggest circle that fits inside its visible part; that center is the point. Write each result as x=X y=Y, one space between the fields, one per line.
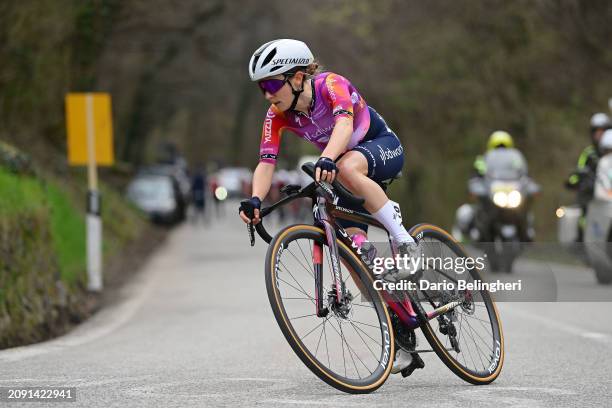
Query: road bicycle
x=346 y=329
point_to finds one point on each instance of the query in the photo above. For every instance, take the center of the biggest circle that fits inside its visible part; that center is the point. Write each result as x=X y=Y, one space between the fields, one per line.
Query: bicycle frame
x=325 y=213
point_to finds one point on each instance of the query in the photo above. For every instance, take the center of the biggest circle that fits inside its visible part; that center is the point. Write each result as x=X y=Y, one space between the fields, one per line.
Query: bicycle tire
x=421 y=232
x=284 y=237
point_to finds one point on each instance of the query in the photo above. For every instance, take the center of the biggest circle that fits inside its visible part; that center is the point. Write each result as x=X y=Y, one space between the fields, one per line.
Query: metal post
x=94 y=222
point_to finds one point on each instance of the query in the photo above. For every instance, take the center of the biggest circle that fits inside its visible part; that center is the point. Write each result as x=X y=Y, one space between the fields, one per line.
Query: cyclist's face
x=283 y=97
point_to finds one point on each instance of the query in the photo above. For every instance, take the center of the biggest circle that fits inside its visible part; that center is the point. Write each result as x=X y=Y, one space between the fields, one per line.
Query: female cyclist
x=356 y=144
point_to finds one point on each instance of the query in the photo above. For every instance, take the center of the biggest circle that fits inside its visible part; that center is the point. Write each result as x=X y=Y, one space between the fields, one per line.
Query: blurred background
x=187 y=119
x=443 y=75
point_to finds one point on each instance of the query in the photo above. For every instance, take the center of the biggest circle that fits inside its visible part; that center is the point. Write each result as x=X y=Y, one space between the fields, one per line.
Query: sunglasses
x=272 y=85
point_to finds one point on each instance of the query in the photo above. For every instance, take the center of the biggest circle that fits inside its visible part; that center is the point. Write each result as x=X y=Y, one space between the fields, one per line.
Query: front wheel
x=468 y=338
x=351 y=346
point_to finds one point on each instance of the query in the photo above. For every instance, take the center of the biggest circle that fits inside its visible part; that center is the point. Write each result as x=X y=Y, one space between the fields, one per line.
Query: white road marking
x=312 y=402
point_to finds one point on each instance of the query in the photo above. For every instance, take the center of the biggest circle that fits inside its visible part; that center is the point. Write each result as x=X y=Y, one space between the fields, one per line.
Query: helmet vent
x=275 y=68
x=269 y=57
x=254 y=63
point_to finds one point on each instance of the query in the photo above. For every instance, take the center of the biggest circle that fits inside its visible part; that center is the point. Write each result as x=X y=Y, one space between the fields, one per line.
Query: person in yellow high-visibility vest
x=497 y=139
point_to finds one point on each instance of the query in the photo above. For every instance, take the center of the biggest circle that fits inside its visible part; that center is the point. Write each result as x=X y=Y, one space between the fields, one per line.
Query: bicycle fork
x=317 y=259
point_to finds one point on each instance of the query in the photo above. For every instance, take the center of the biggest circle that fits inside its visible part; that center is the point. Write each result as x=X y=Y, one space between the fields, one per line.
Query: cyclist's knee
x=353 y=162
x=352 y=165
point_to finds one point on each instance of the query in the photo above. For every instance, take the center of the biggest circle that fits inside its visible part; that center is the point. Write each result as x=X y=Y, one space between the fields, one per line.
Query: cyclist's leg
x=367 y=164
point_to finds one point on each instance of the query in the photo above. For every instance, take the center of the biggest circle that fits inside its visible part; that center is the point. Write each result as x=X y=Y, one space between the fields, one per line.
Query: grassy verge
x=43 y=252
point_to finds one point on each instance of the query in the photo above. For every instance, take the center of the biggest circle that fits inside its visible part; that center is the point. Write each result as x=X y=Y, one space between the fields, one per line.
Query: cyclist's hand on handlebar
x=249 y=210
x=325 y=170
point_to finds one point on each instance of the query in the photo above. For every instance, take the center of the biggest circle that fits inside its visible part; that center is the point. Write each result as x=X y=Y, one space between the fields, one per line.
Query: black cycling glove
x=325 y=163
x=249 y=206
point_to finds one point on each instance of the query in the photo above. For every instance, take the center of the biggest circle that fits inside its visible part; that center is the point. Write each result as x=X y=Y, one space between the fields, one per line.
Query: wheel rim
x=470 y=334
x=348 y=344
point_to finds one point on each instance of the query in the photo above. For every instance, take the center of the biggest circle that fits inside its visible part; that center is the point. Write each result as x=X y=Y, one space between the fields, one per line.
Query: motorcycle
x=501 y=220
x=598 y=228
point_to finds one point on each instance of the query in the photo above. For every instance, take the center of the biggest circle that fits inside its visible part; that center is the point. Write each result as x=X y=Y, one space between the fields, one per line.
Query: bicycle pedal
x=416 y=363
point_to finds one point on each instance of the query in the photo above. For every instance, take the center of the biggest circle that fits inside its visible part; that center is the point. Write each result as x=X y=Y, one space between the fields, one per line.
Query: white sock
x=390 y=216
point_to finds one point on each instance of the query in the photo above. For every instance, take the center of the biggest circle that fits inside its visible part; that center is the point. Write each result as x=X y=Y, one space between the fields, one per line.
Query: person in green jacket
x=582 y=179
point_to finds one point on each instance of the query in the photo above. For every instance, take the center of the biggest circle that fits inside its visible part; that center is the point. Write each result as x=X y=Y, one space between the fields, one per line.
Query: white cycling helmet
x=605 y=144
x=600 y=121
x=277 y=57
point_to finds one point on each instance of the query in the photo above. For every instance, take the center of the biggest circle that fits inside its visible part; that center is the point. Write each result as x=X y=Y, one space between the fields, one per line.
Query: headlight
x=514 y=199
x=500 y=199
x=221 y=193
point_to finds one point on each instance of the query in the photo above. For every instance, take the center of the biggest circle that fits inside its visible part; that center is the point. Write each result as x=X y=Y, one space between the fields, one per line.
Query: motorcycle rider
x=605 y=144
x=497 y=139
x=467 y=212
x=582 y=179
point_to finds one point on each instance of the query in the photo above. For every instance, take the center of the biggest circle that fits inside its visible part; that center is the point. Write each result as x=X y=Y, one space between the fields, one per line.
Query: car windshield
x=505 y=164
x=150 y=188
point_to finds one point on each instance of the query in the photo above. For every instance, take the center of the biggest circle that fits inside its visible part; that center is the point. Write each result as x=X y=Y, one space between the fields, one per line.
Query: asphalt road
x=195 y=329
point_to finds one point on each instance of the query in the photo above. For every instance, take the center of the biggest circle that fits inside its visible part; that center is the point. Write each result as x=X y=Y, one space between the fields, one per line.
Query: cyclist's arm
x=337 y=94
x=340 y=137
x=262 y=179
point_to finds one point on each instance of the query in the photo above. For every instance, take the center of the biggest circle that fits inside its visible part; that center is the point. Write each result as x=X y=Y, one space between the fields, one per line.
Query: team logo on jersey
x=388 y=154
x=268 y=130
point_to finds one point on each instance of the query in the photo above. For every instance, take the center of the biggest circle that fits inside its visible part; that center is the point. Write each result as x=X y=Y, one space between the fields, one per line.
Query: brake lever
x=251 y=231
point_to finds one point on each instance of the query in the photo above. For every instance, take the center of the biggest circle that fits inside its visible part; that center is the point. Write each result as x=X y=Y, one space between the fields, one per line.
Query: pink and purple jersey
x=333 y=97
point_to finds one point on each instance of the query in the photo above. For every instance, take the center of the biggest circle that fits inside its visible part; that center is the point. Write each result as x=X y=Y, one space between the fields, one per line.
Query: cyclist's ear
x=299 y=79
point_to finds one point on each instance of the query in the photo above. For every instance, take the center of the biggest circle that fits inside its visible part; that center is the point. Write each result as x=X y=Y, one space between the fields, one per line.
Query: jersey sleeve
x=270 y=136
x=339 y=96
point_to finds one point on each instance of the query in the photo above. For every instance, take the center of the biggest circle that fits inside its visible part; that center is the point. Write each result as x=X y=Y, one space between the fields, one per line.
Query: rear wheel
x=469 y=338
x=351 y=347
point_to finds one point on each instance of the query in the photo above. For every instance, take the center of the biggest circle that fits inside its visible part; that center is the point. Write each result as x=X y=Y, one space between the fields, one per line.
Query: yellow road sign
x=88 y=117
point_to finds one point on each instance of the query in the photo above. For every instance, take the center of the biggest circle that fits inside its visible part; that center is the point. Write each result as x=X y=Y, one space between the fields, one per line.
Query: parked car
x=159 y=196
x=177 y=172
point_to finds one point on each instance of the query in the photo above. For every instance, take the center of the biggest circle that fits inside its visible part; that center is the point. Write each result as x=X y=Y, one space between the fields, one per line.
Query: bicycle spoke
x=365 y=324
x=302 y=265
x=362 y=339
x=299 y=290
x=320 y=337
x=296 y=281
x=477 y=348
x=348 y=346
x=470 y=351
x=479 y=336
x=307 y=334
x=349 y=350
x=368 y=306
x=307 y=262
x=303 y=316
x=326 y=346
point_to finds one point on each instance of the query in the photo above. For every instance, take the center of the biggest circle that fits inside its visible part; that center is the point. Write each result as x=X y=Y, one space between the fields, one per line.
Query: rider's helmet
x=605 y=144
x=500 y=138
x=278 y=57
x=600 y=121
